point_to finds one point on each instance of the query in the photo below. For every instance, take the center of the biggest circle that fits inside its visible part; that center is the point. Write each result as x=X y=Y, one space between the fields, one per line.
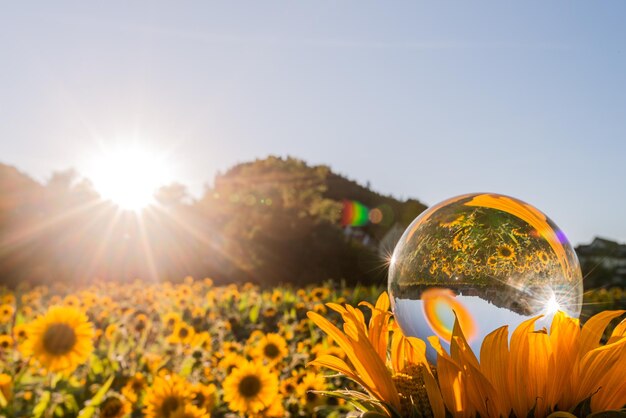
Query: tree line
x=273 y=220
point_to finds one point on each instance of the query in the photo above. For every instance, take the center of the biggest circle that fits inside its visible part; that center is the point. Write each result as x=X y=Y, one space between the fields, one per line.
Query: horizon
x=208 y=185
x=423 y=101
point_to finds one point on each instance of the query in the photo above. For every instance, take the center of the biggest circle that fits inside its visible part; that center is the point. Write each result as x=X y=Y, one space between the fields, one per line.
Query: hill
x=268 y=221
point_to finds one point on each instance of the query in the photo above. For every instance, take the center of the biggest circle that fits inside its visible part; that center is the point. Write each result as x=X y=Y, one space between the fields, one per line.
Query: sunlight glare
x=552 y=305
x=128 y=176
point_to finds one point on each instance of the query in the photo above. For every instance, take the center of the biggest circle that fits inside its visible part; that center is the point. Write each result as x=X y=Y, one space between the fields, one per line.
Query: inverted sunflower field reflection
x=485 y=260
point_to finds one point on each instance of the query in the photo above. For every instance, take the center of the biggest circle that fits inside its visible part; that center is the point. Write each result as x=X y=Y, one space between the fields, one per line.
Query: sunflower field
x=193 y=349
x=166 y=350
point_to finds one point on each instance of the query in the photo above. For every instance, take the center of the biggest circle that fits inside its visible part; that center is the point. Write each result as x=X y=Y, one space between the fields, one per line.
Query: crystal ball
x=487 y=259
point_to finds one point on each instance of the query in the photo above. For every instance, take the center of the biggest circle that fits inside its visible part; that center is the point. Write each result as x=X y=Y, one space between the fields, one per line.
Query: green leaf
x=187 y=366
x=254 y=313
x=96 y=365
x=89 y=410
x=41 y=406
x=70 y=403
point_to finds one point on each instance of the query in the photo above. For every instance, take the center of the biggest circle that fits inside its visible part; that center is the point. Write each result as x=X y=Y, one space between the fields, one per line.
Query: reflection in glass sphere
x=490 y=259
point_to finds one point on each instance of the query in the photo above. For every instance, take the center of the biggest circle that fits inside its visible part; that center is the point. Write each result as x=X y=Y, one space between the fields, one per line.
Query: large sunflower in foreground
x=535 y=374
x=250 y=388
x=60 y=340
x=399 y=384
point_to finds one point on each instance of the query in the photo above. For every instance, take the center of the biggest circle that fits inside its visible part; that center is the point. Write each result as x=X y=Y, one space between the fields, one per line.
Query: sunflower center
x=199 y=399
x=140 y=325
x=271 y=350
x=250 y=386
x=184 y=332
x=111 y=407
x=505 y=252
x=310 y=396
x=169 y=405
x=59 y=339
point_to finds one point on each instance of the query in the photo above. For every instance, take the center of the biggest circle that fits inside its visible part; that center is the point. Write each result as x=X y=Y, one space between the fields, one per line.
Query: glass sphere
x=489 y=259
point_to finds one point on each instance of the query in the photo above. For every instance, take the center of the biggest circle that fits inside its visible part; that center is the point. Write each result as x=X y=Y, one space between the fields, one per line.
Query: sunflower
x=111 y=331
x=6 y=313
x=6 y=342
x=71 y=301
x=170 y=320
x=134 y=387
x=506 y=252
x=20 y=332
x=319 y=294
x=114 y=407
x=311 y=383
x=277 y=297
x=250 y=388
x=543 y=257
x=167 y=397
x=140 y=322
x=272 y=347
x=61 y=339
x=537 y=373
x=368 y=363
x=183 y=333
x=204 y=396
x=288 y=386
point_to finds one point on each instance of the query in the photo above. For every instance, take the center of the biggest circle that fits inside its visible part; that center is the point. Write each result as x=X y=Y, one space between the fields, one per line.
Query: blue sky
x=425 y=100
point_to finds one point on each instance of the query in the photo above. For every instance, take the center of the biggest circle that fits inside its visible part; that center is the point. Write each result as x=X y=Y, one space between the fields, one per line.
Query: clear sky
x=422 y=100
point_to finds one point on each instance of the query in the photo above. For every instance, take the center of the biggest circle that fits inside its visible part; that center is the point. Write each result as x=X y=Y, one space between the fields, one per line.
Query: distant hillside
x=275 y=172
x=270 y=220
x=284 y=209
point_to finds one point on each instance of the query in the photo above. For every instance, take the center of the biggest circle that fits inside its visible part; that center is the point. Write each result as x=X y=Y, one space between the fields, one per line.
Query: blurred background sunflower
x=60 y=340
x=250 y=388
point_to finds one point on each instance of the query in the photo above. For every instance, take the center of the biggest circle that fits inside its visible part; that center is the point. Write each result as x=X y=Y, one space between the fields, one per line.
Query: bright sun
x=128 y=176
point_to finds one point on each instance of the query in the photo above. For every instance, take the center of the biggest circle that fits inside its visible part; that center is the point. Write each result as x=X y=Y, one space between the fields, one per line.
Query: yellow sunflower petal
x=563 y=370
x=620 y=330
x=522 y=400
x=434 y=393
x=338 y=365
x=604 y=373
x=494 y=364
x=452 y=386
x=594 y=328
x=369 y=367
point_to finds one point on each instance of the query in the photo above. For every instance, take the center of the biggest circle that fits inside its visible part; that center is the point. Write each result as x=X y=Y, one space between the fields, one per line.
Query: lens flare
x=440 y=307
x=354 y=213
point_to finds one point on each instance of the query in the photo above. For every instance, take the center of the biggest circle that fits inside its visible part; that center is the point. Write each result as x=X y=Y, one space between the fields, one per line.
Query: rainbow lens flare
x=354 y=213
x=440 y=307
x=489 y=259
